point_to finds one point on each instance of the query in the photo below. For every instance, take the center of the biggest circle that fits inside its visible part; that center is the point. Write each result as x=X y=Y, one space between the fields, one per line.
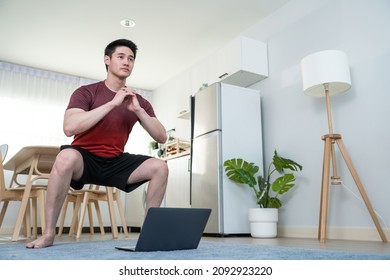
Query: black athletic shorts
x=110 y=172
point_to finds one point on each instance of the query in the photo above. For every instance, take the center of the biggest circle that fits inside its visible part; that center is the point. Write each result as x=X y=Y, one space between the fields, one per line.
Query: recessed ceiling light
x=127 y=22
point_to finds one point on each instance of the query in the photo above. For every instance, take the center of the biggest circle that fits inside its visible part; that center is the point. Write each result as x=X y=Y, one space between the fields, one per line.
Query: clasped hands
x=127 y=95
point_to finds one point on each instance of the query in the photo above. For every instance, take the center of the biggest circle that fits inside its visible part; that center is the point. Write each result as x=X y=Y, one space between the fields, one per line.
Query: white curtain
x=32 y=105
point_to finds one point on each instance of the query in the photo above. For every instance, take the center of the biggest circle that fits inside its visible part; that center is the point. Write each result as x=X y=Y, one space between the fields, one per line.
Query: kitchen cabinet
x=242 y=62
x=178 y=188
x=200 y=74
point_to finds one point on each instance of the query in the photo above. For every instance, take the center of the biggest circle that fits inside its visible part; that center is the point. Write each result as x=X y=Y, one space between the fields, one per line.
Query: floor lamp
x=326 y=73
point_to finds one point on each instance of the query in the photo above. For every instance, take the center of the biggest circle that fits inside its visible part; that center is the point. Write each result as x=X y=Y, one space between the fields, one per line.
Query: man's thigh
x=144 y=171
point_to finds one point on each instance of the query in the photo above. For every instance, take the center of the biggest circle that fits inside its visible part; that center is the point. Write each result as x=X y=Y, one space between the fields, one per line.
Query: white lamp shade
x=325 y=67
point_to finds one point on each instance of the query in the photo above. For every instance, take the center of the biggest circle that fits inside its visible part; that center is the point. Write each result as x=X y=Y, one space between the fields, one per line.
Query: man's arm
x=151 y=124
x=77 y=120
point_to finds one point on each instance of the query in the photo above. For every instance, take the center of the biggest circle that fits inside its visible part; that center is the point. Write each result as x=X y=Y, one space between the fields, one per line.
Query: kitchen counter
x=177 y=155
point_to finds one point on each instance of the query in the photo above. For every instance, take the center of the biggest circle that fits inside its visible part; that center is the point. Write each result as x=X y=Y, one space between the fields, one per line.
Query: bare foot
x=41 y=242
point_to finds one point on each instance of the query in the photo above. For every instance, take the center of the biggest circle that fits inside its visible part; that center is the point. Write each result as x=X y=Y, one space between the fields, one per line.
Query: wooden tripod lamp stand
x=326 y=73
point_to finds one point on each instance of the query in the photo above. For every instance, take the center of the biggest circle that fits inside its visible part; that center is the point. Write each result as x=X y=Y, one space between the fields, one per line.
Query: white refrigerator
x=226 y=123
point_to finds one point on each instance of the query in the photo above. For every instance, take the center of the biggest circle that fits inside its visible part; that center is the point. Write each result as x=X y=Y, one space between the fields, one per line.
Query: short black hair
x=111 y=47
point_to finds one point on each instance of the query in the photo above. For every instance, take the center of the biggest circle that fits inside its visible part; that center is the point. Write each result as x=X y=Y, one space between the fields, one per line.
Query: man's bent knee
x=68 y=160
x=162 y=168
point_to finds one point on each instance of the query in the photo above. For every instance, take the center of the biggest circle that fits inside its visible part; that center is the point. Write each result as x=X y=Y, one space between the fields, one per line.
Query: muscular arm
x=77 y=120
x=151 y=124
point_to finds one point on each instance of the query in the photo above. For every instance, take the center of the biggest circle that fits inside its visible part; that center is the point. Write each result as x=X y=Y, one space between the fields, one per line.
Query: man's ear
x=107 y=60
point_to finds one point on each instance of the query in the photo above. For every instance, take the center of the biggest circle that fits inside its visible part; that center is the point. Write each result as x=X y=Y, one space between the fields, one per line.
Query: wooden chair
x=15 y=193
x=83 y=199
x=77 y=197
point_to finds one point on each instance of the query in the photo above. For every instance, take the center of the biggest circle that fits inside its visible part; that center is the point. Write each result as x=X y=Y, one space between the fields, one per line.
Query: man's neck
x=114 y=84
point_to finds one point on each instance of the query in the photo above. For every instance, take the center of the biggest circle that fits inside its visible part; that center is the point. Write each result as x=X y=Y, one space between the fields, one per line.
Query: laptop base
x=126 y=248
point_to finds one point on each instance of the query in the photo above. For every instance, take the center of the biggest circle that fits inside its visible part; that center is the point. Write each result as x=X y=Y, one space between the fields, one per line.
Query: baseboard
x=65 y=230
x=340 y=233
x=97 y=230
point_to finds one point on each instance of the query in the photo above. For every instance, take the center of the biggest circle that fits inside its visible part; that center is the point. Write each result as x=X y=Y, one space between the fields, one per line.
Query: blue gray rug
x=207 y=250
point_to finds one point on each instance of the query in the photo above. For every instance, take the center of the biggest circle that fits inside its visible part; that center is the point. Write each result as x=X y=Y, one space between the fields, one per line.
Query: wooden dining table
x=34 y=163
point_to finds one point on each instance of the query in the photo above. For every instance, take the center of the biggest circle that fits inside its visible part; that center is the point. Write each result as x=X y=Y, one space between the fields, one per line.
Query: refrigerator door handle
x=223 y=75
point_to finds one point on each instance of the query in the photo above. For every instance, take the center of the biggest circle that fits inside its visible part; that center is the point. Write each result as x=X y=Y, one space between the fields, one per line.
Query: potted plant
x=267 y=192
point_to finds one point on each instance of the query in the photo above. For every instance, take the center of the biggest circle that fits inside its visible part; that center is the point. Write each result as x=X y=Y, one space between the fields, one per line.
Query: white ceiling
x=69 y=36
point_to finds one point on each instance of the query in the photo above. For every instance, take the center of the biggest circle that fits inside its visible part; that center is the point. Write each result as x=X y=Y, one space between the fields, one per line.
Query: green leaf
x=281 y=163
x=241 y=171
x=283 y=184
x=274 y=202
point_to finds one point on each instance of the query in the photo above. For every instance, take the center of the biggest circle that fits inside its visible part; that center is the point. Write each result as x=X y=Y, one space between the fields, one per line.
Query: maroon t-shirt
x=109 y=136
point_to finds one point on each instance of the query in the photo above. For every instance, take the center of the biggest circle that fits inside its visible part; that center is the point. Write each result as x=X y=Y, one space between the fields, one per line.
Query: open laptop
x=167 y=229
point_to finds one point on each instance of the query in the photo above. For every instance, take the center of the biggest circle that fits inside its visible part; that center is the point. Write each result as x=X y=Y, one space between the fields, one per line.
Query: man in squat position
x=100 y=117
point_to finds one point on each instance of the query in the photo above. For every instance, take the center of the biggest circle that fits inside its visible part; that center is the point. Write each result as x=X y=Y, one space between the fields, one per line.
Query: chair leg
x=82 y=214
x=111 y=210
x=90 y=218
x=27 y=219
x=118 y=199
x=3 y=210
x=76 y=209
x=41 y=198
x=63 y=216
x=99 y=216
x=34 y=217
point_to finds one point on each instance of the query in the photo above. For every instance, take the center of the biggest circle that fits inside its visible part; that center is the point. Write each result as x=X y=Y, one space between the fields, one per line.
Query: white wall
x=294 y=123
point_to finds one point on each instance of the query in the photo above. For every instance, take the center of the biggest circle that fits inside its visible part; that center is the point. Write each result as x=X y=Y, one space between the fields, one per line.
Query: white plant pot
x=263 y=222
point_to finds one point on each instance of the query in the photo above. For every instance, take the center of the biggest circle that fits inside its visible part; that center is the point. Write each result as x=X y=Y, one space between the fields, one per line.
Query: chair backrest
x=3 y=151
